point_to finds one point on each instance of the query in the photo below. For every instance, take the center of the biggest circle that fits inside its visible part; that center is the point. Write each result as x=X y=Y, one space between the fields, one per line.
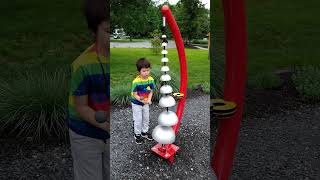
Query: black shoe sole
x=146 y=137
x=136 y=140
x=138 y=143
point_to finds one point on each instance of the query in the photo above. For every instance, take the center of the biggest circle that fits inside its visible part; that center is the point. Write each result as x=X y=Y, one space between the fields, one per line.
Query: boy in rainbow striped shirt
x=89 y=99
x=141 y=95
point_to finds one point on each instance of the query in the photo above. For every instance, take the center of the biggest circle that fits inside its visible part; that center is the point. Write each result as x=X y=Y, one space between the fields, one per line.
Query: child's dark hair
x=142 y=63
x=96 y=11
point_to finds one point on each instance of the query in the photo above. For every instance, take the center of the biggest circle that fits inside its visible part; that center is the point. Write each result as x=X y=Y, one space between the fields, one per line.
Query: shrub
x=202 y=87
x=156 y=41
x=206 y=87
x=266 y=80
x=35 y=105
x=120 y=95
x=156 y=45
x=307 y=82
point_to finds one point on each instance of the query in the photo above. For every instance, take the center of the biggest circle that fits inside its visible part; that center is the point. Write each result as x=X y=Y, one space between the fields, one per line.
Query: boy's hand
x=144 y=101
x=141 y=99
x=147 y=101
x=105 y=126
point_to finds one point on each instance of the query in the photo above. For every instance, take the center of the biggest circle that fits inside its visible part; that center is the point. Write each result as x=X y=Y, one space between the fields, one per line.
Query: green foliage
x=123 y=69
x=145 y=16
x=53 y=38
x=137 y=17
x=120 y=94
x=156 y=45
x=203 y=87
x=35 y=105
x=156 y=41
x=274 y=39
x=192 y=18
x=206 y=87
x=155 y=33
x=307 y=82
x=264 y=81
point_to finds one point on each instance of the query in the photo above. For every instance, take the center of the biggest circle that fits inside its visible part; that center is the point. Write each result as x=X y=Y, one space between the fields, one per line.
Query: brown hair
x=142 y=63
x=96 y=11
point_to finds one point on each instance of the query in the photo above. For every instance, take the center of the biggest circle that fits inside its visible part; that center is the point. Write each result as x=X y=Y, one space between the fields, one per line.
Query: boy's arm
x=88 y=114
x=79 y=90
x=135 y=95
x=150 y=96
x=151 y=92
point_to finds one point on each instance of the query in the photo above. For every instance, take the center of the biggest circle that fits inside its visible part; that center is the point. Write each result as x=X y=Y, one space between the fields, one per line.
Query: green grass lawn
x=51 y=34
x=123 y=69
x=38 y=34
x=280 y=34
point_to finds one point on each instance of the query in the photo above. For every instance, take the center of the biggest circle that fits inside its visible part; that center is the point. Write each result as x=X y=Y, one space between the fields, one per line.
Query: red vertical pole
x=234 y=86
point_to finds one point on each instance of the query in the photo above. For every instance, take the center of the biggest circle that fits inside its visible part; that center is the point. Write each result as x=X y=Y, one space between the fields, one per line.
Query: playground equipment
x=169 y=121
x=229 y=111
x=222 y=109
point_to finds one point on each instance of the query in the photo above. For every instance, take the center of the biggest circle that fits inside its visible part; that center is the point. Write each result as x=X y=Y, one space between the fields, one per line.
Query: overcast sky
x=206 y=2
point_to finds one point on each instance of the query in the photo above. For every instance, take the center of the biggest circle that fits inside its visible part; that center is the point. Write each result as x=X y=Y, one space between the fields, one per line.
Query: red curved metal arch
x=182 y=59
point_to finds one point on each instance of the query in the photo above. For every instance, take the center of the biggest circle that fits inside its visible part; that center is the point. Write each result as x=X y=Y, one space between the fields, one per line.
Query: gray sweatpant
x=140 y=118
x=91 y=157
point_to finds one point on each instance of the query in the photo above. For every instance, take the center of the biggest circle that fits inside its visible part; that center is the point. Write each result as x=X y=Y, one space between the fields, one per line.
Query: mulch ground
x=279 y=136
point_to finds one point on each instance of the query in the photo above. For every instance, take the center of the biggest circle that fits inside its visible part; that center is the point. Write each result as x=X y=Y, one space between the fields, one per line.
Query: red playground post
x=168 y=151
x=234 y=86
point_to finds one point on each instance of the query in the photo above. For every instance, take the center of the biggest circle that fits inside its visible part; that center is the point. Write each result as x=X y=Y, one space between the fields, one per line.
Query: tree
x=193 y=19
x=137 y=17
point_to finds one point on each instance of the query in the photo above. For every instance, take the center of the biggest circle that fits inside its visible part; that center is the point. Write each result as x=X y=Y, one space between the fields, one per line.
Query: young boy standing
x=141 y=95
x=89 y=98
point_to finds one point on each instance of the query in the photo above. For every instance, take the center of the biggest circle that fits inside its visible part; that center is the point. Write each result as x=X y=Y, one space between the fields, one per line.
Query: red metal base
x=167 y=151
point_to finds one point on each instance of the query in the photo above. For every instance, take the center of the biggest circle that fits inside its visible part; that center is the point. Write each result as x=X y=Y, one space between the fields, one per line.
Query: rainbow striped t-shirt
x=142 y=87
x=87 y=78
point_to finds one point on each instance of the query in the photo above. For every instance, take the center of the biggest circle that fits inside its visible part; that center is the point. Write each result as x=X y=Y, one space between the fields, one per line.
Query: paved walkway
x=144 y=44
